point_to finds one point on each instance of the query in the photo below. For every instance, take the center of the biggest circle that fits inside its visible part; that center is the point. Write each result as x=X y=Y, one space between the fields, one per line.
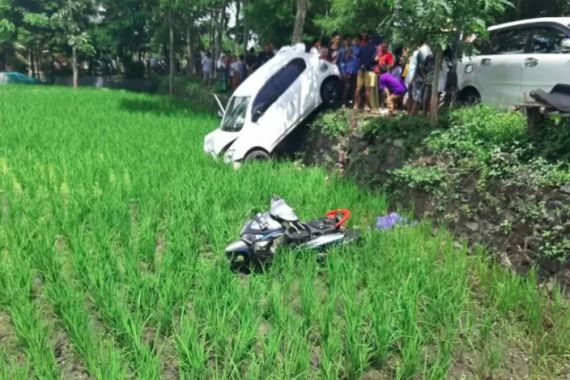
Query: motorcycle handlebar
x=343 y=213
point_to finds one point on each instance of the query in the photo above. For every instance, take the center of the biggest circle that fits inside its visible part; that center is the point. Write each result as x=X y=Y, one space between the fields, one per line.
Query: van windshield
x=235 y=114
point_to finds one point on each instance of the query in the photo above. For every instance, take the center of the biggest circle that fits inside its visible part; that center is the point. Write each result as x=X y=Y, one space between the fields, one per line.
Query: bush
x=334 y=123
x=477 y=132
x=413 y=130
x=202 y=98
x=420 y=177
x=555 y=140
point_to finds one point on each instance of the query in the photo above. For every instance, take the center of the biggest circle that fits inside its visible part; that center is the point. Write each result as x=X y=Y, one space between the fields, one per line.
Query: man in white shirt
x=206 y=68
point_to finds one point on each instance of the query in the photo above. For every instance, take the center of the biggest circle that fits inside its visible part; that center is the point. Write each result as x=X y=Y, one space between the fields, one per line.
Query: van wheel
x=331 y=92
x=469 y=97
x=257 y=155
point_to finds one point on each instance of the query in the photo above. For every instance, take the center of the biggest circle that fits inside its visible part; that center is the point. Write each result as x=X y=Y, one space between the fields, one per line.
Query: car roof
x=255 y=81
x=565 y=21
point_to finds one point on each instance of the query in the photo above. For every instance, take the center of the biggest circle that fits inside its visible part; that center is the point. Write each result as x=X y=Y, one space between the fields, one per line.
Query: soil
x=9 y=345
x=71 y=365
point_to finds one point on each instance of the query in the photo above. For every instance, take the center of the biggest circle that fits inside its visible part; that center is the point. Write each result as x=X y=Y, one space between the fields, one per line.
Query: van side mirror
x=565 y=45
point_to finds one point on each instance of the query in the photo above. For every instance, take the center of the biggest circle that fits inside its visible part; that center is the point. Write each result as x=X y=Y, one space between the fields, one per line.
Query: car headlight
x=229 y=156
x=469 y=69
x=209 y=145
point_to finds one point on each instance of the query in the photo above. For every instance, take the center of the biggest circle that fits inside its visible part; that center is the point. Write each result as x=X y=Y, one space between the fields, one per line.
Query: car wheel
x=257 y=155
x=331 y=92
x=470 y=97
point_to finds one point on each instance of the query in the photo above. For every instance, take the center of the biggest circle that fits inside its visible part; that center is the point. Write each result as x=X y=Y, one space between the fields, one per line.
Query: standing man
x=420 y=82
x=251 y=61
x=367 y=77
x=222 y=72
x=207 y=68
x=266 y=55
x=242 y=68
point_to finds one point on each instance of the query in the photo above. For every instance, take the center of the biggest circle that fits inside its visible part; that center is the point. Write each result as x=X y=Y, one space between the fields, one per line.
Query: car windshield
x=235 y=114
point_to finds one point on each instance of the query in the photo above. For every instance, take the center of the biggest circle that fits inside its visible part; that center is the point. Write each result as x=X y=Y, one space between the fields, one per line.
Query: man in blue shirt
x=367 y=77
x=350 y=64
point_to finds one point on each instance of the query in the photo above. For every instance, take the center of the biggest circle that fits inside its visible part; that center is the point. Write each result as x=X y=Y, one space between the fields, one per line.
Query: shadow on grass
x=161 y=106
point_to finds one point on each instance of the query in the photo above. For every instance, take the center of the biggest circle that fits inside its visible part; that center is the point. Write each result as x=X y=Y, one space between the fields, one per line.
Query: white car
x=271 y=102
x=519 y=57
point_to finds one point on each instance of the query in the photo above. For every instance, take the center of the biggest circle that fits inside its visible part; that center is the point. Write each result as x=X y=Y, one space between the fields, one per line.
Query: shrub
x=555 y=140
x=477 y=132
x=400 y=126
x=334 y=123
x=420 y=177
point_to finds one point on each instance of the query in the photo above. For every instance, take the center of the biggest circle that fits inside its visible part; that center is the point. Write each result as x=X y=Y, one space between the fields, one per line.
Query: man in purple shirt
x=393 y=88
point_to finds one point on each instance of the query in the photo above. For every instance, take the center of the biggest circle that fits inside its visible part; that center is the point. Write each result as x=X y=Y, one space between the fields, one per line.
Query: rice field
x=112 y=229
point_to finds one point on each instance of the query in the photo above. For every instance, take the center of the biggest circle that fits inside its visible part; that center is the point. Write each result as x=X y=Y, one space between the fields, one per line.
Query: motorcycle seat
x=558 y=98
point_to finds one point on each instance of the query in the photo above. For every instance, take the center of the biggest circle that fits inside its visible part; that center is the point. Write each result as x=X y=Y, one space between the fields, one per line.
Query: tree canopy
x=121 y=36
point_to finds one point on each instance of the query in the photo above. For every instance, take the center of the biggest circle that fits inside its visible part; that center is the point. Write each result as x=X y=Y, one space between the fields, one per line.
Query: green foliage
x=554 y=143
x=352 y=16
x=556 y=243
x=420 y=177
x=441 y=22
x=202 y=97
x=477 y=132
x=73 y=18
x=334 y=123
x=412 y=131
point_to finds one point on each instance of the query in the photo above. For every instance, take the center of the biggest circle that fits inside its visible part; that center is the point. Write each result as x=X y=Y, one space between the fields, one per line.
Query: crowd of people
x=231 y=69
x=374 y=76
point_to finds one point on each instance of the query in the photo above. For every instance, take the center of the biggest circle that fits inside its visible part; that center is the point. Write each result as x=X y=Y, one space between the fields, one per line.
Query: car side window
x=276 y=86
x=547 y=40
x=512 y=41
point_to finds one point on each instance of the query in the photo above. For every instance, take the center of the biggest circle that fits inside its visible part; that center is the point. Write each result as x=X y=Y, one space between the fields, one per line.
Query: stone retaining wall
x=518 y=223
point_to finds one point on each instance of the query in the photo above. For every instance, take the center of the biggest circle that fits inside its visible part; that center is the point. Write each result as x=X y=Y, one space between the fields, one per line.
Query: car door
x=499 y=72
x=547 y=63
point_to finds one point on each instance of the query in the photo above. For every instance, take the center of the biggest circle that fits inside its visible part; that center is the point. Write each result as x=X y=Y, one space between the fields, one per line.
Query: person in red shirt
x=384 y=57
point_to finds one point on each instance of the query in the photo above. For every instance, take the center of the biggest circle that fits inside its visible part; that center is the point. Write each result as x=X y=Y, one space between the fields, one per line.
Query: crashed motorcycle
x=280 y=227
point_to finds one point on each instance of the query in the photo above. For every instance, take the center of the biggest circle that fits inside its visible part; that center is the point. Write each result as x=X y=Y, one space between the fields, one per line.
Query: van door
x=500 y=71
x=547 y=63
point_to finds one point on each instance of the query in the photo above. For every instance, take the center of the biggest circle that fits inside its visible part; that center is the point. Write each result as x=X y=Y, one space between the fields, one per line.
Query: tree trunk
x=434 y=102
x=214 y=47
x=32 y=70
x=2 y=58
x=190 y=65
x=519 y=8
x=74 y=67
x=171 y=54
x=238 y=10
x=219 y=33
x=244 y=21
x=299 y=21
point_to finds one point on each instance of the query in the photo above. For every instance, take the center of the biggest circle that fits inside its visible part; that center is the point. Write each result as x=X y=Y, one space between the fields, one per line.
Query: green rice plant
x=10 y=370
x=191 y=349
x=271 y=349
x=331 y=367
x=112 y=217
